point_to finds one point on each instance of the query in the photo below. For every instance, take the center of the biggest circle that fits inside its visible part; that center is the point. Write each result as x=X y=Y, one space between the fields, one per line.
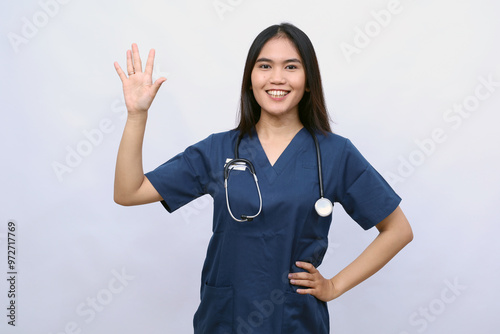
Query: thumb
x=158 y=83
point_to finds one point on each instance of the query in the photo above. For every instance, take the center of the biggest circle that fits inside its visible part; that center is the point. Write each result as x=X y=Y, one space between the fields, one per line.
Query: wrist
x=137 y=116
x=337 y=289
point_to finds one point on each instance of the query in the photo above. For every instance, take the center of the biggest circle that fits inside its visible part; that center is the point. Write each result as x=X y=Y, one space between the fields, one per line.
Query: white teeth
x=277 y=93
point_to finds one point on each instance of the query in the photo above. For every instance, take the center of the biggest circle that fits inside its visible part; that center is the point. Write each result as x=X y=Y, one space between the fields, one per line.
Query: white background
x=58 y=84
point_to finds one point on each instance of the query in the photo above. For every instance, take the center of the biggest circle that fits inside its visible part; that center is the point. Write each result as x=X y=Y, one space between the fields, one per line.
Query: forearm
x=395 y=234
x=129 y=173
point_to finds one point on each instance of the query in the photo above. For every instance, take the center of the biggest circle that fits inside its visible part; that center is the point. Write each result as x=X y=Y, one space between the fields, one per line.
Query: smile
x=277 y=93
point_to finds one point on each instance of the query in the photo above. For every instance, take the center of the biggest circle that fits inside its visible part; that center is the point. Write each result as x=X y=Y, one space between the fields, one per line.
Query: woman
x=260 y=274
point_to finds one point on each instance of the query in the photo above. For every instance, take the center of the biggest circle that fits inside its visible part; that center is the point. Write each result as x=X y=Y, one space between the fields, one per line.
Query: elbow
x=409 y=236
x=403 y=228
x=406 y=234
x=121 y=200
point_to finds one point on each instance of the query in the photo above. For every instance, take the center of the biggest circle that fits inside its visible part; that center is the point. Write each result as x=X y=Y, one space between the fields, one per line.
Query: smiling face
x=278 y=79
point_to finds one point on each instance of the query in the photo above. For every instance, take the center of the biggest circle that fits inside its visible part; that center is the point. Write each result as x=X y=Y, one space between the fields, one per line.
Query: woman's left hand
x=319 y=287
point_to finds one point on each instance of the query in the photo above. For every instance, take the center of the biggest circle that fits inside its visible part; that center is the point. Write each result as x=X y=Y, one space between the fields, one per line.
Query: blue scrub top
x=244 y=284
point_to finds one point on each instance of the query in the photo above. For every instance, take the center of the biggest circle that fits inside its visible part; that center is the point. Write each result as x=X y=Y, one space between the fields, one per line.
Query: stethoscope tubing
x=323 y=205
x=249 y=165
x=320 y=170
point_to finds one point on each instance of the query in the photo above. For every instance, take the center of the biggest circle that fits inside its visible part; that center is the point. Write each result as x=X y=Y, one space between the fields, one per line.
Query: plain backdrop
x=414 y=84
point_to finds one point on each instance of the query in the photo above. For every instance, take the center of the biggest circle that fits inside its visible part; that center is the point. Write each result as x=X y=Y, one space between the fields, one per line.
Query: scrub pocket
x=304 y=314
x=215 y=313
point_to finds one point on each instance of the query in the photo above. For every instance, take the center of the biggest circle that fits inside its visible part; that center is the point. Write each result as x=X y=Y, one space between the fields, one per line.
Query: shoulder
x=333 y=141
x=215 y=144
x=224 y=136
x=341 y=148
x=332 y=137
x=216 y=139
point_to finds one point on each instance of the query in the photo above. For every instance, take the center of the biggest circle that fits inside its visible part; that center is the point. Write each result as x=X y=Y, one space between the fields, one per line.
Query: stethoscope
x=323 y=206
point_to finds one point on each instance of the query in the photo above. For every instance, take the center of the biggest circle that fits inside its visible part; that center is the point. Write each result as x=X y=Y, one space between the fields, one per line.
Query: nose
x=277 y=76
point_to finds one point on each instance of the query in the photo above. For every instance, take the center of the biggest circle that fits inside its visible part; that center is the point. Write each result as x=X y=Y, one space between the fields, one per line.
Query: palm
x=138 y=91
x=138 y=88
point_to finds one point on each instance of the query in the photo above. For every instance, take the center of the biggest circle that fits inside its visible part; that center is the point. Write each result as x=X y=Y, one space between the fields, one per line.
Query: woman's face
x=278 y=78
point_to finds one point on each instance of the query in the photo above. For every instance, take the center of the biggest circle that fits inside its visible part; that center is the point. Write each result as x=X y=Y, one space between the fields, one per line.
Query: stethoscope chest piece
x=324 y=207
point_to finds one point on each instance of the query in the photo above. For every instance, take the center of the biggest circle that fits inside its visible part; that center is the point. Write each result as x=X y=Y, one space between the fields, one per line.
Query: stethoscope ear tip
x=324 y=207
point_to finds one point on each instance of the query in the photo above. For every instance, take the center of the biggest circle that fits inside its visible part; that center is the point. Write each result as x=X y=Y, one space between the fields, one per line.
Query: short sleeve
x=183 y=178
x=364 y=193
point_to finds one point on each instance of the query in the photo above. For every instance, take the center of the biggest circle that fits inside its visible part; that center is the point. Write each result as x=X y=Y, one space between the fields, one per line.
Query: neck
x=269 y=128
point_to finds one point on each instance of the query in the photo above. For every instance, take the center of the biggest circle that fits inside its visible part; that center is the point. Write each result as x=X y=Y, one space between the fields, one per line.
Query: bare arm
x=395 y=234
x=131 y=186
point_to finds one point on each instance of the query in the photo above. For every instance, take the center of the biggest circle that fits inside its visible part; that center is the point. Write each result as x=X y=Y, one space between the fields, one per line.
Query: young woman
x=269 y=232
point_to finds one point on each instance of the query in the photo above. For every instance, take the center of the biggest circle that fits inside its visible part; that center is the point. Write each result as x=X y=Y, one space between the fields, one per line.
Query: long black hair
x=312 y=108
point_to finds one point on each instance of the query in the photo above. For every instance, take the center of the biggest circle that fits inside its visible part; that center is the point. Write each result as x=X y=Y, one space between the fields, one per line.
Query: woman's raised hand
x=138 y=88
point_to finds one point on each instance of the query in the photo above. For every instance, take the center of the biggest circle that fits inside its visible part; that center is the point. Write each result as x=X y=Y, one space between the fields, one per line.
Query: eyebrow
x=267 y=60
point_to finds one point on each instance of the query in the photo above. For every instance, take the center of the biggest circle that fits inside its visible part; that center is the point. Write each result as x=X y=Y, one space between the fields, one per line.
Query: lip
x=277 y=97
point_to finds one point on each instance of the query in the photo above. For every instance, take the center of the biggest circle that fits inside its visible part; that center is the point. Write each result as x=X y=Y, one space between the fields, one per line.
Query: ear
x=307 y=89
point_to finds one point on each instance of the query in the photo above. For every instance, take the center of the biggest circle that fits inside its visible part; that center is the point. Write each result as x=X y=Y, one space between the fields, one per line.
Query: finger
x=306 y=291
x=306 y=283
x=120 y=72
x=307 y=266
x=301 y=275
x=136 y=58
x=150 y=63
x=130 y=64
